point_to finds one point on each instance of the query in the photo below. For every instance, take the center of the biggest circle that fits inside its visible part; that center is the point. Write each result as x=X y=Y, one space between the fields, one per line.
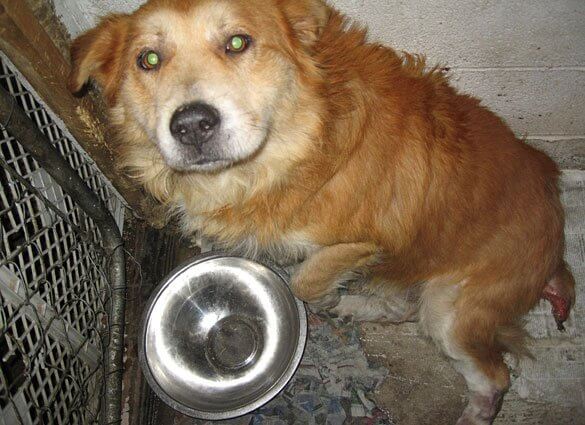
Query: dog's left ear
x=307 y=18
x=97 y=54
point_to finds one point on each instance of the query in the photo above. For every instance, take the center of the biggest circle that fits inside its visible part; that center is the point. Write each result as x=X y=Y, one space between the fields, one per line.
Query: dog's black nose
x=195 y=123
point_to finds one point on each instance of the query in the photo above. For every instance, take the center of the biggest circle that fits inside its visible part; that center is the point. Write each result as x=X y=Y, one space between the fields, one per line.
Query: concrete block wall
x=524 y=58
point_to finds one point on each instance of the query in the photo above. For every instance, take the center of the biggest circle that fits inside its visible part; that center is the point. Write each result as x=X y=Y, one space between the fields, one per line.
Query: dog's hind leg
x=379 y=301
x=375 y=308
x=318 y=278
x=474 y=334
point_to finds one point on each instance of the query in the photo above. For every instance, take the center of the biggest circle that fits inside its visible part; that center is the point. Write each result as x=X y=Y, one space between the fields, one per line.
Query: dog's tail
x=560 y=292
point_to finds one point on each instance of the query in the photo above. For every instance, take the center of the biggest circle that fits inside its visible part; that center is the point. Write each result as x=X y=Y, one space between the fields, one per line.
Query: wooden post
x=30 y=48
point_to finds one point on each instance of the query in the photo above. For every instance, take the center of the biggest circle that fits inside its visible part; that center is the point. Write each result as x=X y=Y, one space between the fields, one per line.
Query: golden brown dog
x=274 y=126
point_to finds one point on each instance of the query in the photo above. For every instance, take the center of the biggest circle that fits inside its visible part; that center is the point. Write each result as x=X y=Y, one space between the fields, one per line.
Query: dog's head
x=203 y=79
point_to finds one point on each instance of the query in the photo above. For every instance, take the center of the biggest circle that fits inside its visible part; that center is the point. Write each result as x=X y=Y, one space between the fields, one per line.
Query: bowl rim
x=278 y=385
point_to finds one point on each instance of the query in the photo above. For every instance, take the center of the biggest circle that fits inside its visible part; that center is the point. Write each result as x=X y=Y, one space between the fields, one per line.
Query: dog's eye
x=149 y=60
x=238 y=43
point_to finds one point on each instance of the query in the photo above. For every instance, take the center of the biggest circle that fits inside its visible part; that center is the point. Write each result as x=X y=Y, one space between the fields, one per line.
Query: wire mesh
x=54 y=289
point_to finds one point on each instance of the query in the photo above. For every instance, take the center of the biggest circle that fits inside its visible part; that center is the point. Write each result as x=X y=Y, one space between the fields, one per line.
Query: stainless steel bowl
x=221 y=336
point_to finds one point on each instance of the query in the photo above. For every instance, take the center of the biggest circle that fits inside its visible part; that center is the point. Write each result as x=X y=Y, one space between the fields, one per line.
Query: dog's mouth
x=209 y=161
x=186 y=160
x=211 y=164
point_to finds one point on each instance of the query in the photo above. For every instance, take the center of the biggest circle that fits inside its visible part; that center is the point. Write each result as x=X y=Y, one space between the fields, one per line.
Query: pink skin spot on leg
x=482 y=408
x=561 y=304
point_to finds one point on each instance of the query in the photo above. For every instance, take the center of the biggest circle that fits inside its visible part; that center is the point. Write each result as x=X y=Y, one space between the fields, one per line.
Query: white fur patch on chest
x=289 y=249
x=295 y=247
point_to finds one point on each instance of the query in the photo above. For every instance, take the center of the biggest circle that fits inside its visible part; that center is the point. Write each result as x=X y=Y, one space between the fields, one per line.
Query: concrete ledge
x=569 y=154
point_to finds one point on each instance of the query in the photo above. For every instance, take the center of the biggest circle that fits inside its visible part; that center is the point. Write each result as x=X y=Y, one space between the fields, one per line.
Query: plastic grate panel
x=54 y=289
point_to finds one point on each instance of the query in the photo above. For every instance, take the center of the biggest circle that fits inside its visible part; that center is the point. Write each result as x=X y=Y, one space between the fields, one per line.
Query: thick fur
x=366 y=160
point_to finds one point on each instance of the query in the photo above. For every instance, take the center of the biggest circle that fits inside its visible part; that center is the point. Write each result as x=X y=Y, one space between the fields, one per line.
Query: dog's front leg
x=321 y=274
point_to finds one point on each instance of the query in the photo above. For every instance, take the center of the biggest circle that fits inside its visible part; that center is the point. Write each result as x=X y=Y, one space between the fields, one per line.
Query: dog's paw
x=481 y=409
x=325 y=303
x=368 y=308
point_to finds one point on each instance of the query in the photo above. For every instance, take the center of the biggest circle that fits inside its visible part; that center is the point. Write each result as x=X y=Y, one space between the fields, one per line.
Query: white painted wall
x=525 y=58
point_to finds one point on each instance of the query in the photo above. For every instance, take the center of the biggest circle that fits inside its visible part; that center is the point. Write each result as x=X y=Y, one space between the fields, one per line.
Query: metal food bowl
x=221 y=336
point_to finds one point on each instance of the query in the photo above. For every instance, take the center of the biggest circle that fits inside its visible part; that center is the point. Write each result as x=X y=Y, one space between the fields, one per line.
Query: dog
x=275 y=127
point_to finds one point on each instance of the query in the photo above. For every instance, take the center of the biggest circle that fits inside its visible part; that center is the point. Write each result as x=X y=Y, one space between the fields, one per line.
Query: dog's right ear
x=307 y=18
x=97 y=54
